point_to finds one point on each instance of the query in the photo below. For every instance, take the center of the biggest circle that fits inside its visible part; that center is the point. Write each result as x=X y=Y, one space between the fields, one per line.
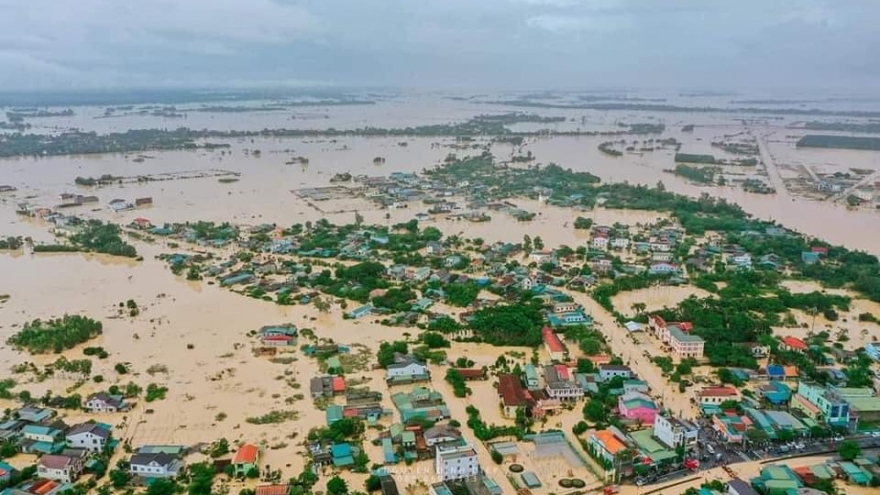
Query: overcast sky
x=469 y=44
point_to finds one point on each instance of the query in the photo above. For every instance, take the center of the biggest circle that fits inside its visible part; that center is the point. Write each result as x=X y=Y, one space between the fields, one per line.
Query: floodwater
x=220 y=374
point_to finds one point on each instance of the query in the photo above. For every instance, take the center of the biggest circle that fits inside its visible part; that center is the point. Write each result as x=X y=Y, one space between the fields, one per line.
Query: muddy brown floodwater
x=219 y=374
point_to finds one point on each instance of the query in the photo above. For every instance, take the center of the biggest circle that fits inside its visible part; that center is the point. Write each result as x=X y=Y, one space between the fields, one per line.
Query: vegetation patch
x=56 y=335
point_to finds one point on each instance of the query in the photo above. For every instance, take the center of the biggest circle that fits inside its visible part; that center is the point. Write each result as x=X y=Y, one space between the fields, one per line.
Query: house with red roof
x=555 y=347
x=820 y=250
x=245 y=459
x=512 y=394
x=272 y=490
x=793 y=344
x=141 y=224
x=731 y=426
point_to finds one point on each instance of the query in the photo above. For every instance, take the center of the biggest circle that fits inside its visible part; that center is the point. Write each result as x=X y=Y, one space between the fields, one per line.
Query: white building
x=609 y=371
x=620 y=243
x=159 y=465
x=684 y=344
x=90 y=436
x=63 y=468
x=105 y=403
x=456 y=462
x=599 y=242
x=406 y=368
x=674 y=432
x=545 y=255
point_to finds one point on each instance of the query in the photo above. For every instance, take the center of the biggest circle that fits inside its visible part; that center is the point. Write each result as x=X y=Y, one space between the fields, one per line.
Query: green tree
x=849 y=450
x=336 y=486
x=594 y=410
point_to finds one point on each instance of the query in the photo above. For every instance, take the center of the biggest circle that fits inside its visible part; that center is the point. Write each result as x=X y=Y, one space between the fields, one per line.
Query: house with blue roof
x=774 y=392
x=342 y=454
x=360 y=311
x=6 y=472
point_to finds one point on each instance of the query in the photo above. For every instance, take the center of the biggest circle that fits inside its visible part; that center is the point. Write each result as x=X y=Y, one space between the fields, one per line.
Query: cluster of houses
x=780 y=479
x=654 y=248
x=660 y=444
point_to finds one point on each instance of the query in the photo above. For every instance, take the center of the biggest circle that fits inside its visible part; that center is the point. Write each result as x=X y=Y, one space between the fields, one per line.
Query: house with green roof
x=421 y=402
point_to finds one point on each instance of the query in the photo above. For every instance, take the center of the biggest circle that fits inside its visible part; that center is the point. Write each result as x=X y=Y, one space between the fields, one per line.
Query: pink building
x=637 y=406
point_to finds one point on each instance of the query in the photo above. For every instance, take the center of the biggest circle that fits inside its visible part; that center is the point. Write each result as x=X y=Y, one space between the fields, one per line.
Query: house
x=141 y=224
x=809 y=258
x=636 y=406
x=441 y=434
x=456 y=462
x=663 y=268
x=39 y=433
x=684 y=344
x=635 y=386
x=716 y=395
x=560 y=384
x=245 y=459
x=512 y=395
x=34 y=414
x=89 y=436
x=599 y=242
x=620 y=243
x=609 y=371
x=452 y=261
x=737 y=486
x=531 y=375
x=388 y=485
x=327 y=385
x=731 y=426
x=282 y=489
x=420 y=402
x=155 y=465
x=342 y=454
x=793 y=344
x=555 y=348
x=608 y=444
x=407 y=369
x=774 y=392
x=103 y=402
x=675 y=432
x=6 y=472
x=542 y=256
x=434 y=248
x=360 y=311
x=821 y=404
x=662 y=256
x=63 y=468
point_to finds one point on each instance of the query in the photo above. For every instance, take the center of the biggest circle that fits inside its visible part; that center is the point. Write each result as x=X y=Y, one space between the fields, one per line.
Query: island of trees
x=839 y=142
x=56 y=335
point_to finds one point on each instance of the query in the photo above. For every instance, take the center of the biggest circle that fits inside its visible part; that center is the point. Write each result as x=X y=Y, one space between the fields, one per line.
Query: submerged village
x=639 y=360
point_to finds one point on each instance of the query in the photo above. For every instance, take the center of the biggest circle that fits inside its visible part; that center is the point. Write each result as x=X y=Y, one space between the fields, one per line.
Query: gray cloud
x=440 y=43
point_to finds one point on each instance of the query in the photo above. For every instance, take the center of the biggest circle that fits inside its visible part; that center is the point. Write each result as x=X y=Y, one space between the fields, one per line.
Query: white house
x=434 y=247
x=673 y=431
x=441 y=434
x=542 y=256
x=456 y=462
x=660 y=246
x=105 y=403
x=620 y=243
x=63 y=468
x=41 y=433
x=609 y=371
x=407 y=367
x=160 y=465
x=599 y=242
x=90 y=436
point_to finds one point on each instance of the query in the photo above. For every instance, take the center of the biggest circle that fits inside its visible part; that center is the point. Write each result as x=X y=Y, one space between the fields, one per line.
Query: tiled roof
x=247 y=454
x=551 y=340
x=511 y=391
x=610 y=441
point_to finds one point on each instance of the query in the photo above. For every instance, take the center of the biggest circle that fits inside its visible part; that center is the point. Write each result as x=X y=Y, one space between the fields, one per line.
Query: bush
x=41 y=337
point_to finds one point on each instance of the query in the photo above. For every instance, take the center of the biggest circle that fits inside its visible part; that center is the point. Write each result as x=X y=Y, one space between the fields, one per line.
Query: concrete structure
x=673 y=431
x=637 y=406
x=105 y=403
x=158 y=465
x=63 y=468
x=456 y=462
x=609 y=371
x=716 y=395
x=685 y=345
x=560 y=384
x=89 y=436
x=821 y=404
